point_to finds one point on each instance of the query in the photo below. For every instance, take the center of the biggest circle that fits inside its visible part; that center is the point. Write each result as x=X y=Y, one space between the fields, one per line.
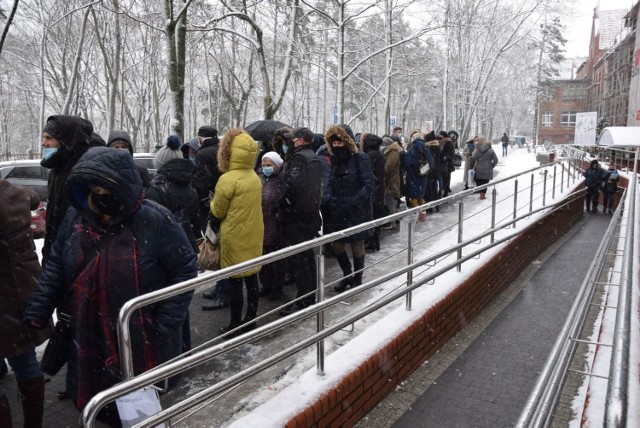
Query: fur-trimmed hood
x=433 y=143
x=237 y=151
x=337 y=131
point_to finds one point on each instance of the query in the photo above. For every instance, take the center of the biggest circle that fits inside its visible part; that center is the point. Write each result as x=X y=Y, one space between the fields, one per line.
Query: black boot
x=5 y=412
x=345 y=265
x=32 y=398
x=358 y=266
x=235 y=308
x=253 y=297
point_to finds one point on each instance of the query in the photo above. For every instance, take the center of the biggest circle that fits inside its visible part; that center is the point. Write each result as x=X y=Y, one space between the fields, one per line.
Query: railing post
x=544 y=188
x=553 y=189
x=320 y=315
x=561 y=178
x=494 y=197
x=460 y=218
x=531 y=194
x=515 y=201
x=409 y=259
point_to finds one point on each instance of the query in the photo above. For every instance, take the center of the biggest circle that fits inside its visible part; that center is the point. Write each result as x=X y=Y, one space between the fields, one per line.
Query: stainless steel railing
x=195 y=358
x=538 y=410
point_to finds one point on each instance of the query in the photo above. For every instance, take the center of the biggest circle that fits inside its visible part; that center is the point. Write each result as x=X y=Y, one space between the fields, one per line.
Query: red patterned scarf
x=110 y=279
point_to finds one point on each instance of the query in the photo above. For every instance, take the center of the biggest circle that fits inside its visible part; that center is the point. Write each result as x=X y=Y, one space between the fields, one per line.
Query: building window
x=568 y=118
x=574 y=92
x=547 y=119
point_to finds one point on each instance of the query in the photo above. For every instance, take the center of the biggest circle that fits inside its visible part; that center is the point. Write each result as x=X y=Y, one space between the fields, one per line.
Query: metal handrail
x=169 y=369
x=616 y=411
x=542 y=399
x=124 y=333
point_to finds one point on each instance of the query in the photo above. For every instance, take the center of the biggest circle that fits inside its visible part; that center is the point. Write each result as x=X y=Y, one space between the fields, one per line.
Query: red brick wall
x=361 y=390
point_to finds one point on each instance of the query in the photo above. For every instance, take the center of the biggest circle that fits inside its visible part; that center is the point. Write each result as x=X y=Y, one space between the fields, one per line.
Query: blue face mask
x=192 y=159
x=285 y=149
x=267 y=170
x=47 y=152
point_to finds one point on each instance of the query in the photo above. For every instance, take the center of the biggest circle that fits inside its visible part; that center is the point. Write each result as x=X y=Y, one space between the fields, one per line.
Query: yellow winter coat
x=237 y=201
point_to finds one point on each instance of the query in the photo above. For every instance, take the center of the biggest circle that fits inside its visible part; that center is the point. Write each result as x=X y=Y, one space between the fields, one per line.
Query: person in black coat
x=272 y=275
x=300 y=211
x=347 y=197
x=370 y=145
x=206 y=174
x=447 y=151
x=434 y=176
x=119 y=139
x=111 y=247
x=64 y=140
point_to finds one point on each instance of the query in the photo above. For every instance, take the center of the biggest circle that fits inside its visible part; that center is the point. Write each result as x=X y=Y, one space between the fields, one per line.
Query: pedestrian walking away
x=483 y=161
x=505 y=144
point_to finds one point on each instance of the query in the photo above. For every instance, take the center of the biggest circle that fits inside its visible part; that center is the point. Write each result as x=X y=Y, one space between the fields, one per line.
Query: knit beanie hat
x=170 y=151
x=275 y=157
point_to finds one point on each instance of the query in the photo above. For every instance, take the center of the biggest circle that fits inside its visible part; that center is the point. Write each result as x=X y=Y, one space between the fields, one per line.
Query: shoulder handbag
x=208 y=251
x=56 y=354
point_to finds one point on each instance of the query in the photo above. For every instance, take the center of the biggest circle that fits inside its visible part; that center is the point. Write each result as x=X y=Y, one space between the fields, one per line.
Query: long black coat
x=19 y=269
x=75 y=141
x=348 y=189
x=172 y=189
x=371 y=146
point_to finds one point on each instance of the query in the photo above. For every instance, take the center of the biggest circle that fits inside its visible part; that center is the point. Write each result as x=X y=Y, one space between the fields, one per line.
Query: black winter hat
x=430 y=136
x=207 y=131
x=443 y=134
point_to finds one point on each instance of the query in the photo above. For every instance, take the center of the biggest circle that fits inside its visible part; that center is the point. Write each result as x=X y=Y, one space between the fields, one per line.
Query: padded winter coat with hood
x=347 y=188
x=484 y=159
x=162 y=254
x=237 y=201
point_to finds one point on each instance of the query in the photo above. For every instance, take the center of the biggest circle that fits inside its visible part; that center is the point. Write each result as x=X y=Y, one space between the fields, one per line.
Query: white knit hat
x=170 y=151
x=275 y=157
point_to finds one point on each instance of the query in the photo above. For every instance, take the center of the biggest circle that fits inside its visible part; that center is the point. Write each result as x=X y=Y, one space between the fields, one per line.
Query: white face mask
x=47 y=152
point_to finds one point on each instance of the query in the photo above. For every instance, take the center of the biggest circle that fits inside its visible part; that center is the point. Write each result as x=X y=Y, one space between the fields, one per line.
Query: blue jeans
x=25 y=366
x=222 y=290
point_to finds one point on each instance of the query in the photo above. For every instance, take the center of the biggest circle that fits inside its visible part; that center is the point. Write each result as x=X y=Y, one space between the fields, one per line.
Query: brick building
x=602 y=82
x=558 y=109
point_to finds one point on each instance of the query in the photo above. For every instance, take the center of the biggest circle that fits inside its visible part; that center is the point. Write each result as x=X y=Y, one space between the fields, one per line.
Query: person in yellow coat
x=237 y=204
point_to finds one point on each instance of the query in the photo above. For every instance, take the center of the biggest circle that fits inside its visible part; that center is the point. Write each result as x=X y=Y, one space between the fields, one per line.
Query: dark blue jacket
x=416 y=157
x=347 y=195
x=594 y=177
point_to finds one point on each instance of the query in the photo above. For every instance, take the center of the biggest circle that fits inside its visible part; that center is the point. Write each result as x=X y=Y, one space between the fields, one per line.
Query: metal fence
x=538 y=410
x=547 y=180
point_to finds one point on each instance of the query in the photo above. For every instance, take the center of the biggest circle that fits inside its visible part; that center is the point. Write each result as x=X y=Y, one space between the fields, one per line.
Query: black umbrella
x=264 y=130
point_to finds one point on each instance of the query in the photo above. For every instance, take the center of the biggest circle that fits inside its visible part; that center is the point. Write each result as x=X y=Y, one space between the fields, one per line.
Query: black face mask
x=340 y=154
x=107 y=203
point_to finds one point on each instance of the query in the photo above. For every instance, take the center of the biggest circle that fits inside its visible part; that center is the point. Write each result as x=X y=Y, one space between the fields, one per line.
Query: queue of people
x=114 y=234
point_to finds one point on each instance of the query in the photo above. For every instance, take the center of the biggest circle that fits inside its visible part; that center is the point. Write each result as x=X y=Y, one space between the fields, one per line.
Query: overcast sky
x=579 y=29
